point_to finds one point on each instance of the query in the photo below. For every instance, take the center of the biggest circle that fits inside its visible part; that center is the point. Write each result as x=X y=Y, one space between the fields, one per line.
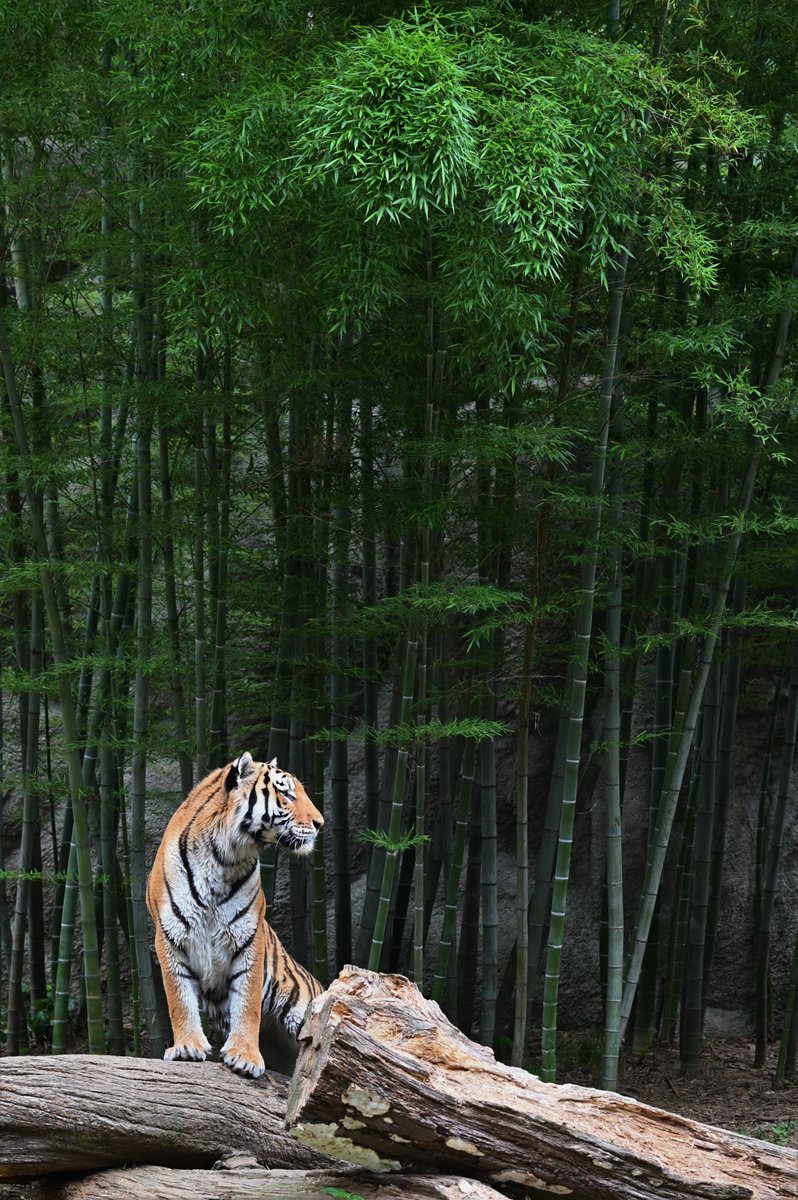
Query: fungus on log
x=385 y=1080
x=85 y=1111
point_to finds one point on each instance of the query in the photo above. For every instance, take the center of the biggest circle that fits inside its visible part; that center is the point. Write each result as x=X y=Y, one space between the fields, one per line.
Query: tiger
x=216 y=950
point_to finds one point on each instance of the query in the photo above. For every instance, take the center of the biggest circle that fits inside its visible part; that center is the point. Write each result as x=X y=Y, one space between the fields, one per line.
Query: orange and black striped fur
x=217 y=951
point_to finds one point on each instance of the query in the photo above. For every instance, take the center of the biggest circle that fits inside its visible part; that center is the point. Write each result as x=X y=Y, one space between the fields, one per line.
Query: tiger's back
x=216 y=949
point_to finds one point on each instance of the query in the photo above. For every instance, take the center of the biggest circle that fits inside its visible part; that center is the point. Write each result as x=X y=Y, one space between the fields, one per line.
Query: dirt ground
x=727 y=1091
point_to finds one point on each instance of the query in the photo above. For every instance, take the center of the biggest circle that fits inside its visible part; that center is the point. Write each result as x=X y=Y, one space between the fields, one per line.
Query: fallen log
x=248 y=1181
x=383 y=1079
x=83 y=1112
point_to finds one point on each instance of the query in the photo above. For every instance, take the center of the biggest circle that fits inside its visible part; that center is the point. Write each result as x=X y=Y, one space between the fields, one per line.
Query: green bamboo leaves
x=393 y=123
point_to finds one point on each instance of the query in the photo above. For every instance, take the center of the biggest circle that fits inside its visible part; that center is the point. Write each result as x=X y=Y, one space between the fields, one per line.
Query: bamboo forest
x=407 y=394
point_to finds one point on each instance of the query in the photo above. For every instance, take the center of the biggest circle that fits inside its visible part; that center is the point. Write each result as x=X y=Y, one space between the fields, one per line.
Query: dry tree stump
x=84 y=1111
x=384 y=1080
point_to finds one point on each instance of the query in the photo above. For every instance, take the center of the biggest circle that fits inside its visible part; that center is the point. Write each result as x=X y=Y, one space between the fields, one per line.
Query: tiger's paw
x=195 y=1049
x=245 y=1059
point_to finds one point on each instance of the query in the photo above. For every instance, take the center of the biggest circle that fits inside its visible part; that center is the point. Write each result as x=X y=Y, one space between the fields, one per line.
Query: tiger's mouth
x=296 y=841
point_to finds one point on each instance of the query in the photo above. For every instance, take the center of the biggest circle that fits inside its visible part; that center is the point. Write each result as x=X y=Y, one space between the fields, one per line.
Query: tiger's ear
x=273 y=764
x=245 y=764
x=239 y=769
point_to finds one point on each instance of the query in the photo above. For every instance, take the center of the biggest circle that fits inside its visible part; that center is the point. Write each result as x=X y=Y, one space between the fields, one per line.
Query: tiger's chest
x=219 y=915
x=209 y=949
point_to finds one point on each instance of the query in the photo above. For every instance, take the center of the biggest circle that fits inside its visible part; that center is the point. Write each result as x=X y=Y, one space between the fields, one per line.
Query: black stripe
x=245 y=909
x=183 y=839
x=231 y=779
x=246 y=820
x=175 y=906
x=175 y=945
x=315 y=986
x=208 y=800
x=239 y=883
x=238 y=974
x=220 y=858
x=183 y=843
x=187 y=973
x=294 y=993
x=311 y=982
x=245 y=945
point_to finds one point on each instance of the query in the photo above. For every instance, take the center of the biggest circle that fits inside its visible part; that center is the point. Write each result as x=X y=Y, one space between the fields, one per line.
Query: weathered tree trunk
x=383 y=1073
x=246 y=1180
x=85 y=1112
x=383 y=1081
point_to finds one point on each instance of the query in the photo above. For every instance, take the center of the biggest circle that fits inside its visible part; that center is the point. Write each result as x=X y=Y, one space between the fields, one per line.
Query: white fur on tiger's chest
x=213 y=914
x=209 y=951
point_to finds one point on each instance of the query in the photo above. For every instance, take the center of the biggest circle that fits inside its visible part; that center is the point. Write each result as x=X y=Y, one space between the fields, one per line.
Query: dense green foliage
x=392 y=391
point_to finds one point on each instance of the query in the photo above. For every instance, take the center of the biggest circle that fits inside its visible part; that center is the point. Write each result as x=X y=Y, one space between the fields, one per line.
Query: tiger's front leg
x=181 y=997
x=241 y=1051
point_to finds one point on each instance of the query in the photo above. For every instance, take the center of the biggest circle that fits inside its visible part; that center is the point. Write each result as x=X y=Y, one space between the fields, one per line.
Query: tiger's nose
x=318 y=821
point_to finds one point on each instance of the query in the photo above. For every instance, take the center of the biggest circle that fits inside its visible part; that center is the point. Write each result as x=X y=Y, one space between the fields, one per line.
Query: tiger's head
x=269 y=805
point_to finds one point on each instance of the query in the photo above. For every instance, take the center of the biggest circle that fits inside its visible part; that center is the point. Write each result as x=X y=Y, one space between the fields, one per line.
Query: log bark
x=83 y=1112
x=251 y=1182
x=385 y=1080
x=20 y=1189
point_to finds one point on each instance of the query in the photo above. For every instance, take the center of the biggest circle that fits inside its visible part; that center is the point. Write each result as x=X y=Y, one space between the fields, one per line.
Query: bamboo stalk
x=200 y=696
x=17 y=1042
x=434 y=373
x=764 y=793
x=108 y=824
x=771 y=873
x=490 y=882
x=36 y=937
x=138 y=871
x=439 y=856
x=133 y=945
x=576 y=698
x=422 y=788
x=726 y=737
x=463 y=989
x=376 y=863
x=218 y=747
x=177 y=691
x=608 y=1077
x=691 y=1037
x=369 y=557
x=397 y=803
x=646 y=998
x=680 y=910
x=319 y=892
x=785 y=1064
x=339 y=748
x=5 y=921
x=66 y=935
x=522 y=853
x=280 y=714
x=449 y=920
x=317 y=750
